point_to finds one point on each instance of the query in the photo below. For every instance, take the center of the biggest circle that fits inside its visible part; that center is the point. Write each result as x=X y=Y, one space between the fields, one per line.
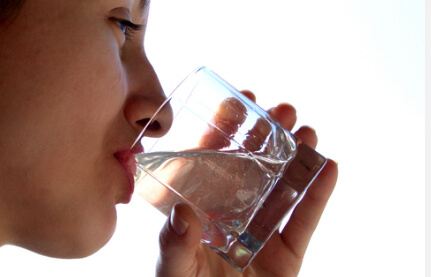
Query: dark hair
x=9 y=9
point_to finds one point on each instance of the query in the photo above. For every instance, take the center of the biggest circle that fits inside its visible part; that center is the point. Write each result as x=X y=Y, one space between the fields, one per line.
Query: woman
x=76 y=88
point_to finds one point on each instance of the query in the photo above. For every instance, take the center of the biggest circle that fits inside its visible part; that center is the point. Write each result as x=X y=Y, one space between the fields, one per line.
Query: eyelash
x=126 y=27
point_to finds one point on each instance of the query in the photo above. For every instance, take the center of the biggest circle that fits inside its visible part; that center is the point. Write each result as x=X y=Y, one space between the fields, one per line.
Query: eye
x=123 y=27
x=126 y=27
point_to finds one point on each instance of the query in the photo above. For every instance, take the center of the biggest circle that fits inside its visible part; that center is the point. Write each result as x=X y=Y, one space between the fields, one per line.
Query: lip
x=127 y=160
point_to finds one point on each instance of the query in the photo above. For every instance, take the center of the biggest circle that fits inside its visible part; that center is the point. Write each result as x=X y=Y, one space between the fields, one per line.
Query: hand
x=183 y=255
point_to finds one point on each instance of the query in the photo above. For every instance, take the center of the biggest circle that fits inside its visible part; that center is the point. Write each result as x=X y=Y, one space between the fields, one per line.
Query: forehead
x=135 y=5
x=141 y=7
x=143 y=4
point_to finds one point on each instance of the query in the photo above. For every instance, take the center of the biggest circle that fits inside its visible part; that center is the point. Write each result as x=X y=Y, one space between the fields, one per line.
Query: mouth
x=128 y=162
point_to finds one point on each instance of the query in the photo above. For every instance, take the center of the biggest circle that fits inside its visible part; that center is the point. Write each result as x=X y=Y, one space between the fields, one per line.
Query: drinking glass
x=240 y=171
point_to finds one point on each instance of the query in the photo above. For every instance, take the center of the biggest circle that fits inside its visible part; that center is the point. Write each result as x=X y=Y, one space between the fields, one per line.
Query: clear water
x=225 y=188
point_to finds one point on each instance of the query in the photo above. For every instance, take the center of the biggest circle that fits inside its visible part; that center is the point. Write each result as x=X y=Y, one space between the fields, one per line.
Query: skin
x=73 y=92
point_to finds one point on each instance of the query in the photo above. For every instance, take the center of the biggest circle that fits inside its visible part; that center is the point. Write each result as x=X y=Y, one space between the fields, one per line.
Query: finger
x=285 y=115
x=307 y=135
x=298 y=231
x=257 y=135
x=179 y=242
x=226 y=122
x=250 y=95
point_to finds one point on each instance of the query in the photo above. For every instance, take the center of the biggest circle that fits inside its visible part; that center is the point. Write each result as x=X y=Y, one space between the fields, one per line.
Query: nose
x=139 y=110
x=145 y=97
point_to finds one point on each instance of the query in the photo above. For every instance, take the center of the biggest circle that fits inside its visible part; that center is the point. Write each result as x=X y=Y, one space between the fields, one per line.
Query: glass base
x=284 y=197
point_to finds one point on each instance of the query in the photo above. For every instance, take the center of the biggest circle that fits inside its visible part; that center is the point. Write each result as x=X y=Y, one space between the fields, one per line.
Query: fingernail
x=178 y=224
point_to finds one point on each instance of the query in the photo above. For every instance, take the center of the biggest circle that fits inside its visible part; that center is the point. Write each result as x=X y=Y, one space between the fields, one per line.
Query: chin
x=87 y=248
x=71 y=240
x=90 y=239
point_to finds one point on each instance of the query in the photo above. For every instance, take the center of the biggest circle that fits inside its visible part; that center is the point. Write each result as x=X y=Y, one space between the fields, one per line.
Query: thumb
x=179 y=242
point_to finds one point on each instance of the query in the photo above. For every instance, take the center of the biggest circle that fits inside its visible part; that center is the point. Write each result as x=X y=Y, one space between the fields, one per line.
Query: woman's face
x=74 y=90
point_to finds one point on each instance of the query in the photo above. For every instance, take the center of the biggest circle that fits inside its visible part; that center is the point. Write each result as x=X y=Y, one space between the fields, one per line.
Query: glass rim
x=167 y=100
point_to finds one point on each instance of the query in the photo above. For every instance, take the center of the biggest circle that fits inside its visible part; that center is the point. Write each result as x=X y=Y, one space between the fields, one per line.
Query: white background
x=355 y=71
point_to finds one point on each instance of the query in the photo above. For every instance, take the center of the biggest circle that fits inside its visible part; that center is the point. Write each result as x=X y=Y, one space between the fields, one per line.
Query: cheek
x=59 y=120
x=61 y=219
x=67 y=175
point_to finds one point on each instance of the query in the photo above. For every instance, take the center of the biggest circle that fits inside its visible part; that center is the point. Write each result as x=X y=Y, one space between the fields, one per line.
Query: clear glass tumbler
x=224 y=156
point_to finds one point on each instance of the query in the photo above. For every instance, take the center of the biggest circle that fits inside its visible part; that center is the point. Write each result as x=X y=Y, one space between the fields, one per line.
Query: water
x=225 y=188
